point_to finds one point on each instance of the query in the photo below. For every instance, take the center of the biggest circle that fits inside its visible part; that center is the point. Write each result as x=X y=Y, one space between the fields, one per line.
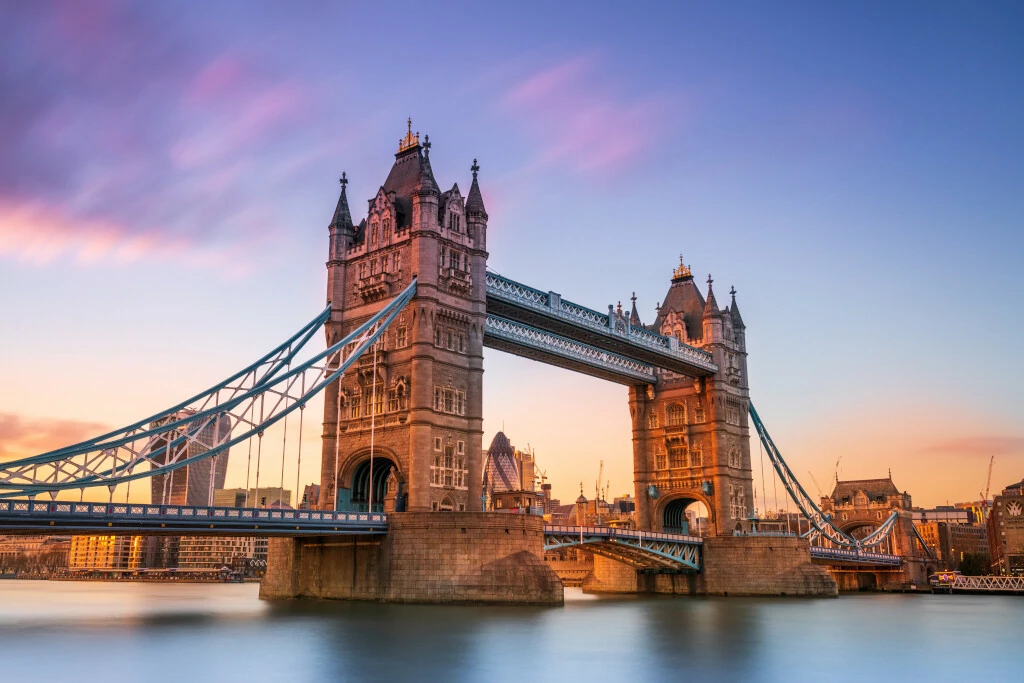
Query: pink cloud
x=216 y=78
x=582 y=122
x=980 y=445
x=236 y=124
x=22 y=437
x=36 y=234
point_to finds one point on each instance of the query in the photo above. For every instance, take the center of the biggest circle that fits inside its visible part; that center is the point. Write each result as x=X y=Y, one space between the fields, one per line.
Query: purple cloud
x=582 y=122
x=129 y=139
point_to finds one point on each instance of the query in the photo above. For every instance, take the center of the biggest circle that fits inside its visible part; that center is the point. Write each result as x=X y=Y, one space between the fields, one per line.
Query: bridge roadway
x=641 y=549
x=543 y=326
x=37 y=517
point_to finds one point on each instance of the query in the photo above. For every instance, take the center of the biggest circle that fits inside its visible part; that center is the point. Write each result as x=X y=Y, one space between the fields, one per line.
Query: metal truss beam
x=821 y=523
x=522 y=340
x=843 y=556
x=240 y=408
x=989 y=584
x=547 y=311
x=640 y=549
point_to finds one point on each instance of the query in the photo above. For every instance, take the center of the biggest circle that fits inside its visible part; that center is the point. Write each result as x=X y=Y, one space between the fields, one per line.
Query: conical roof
x=634 y=317
x=734 y=310
x=475 y=200
x=710 y=305
x=342 y=216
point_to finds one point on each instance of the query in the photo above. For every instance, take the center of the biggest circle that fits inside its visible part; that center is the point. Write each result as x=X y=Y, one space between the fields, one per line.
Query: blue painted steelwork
x=639 y=548
x=854 y=556
x=262 y=370
x=27 y=516
x=608 y=365
x=821 y=522
x=165 y=439
x=505 y=295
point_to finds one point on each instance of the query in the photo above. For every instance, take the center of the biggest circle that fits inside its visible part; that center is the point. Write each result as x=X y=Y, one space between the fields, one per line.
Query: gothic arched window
x=675 y=415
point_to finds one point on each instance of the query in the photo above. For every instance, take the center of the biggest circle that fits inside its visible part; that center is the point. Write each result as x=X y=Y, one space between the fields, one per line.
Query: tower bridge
x=410 y=308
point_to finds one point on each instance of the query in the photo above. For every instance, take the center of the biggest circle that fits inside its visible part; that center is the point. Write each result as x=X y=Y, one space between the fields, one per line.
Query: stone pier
x=732 y=566
x=427 y=557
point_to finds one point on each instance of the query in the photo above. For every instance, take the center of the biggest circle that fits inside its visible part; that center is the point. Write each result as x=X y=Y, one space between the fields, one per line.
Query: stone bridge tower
x=426 y=413
x=690 y=435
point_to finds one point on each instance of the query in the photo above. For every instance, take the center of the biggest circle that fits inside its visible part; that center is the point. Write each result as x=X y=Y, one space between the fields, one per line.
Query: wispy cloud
x=582 y=120
x=23 y=437
x=124 y=141
x=981 y=445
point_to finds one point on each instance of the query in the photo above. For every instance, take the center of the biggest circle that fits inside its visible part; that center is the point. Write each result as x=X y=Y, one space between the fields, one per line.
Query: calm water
x=62 y=631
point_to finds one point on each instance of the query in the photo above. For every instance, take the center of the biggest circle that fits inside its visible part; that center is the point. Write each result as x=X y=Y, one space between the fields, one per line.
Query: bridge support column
x=426 y=557
x=762 y=565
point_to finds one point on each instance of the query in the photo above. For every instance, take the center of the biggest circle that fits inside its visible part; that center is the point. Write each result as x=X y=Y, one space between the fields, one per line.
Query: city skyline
x=864 y=203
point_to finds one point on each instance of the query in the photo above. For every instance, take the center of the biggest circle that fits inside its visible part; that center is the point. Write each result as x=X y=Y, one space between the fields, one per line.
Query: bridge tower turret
x=426 y=418
x=690 y=434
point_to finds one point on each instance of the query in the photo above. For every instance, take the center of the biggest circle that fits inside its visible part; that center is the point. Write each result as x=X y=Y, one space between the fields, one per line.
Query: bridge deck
x=843 y=556
x=36 y=517
x=548 y=312
x=641 y=549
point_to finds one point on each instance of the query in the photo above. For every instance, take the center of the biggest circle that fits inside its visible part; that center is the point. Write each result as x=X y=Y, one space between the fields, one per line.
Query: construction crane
x=597 y=484
x=816 y=484
x=988 y=484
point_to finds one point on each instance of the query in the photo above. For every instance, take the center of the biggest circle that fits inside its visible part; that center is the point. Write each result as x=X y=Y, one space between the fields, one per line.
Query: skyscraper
x=193 y=484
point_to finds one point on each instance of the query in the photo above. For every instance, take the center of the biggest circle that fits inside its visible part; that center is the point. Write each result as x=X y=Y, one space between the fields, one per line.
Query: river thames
x=91 y=631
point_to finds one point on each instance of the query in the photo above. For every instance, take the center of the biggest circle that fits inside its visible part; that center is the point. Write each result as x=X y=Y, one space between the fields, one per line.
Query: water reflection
x=157 y=632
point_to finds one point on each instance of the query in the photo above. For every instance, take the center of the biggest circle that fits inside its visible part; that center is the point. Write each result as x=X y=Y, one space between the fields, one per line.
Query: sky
x=855 y=170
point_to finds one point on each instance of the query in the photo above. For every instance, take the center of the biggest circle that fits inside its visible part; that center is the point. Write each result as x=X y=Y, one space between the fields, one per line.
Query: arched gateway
x=419 y=396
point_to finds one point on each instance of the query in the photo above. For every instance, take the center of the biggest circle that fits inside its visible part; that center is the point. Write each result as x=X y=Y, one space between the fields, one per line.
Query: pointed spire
x=634 y=317
x=475 y=200
x=342 y=216
x=711 y=306
x=737 y=321
x=427 y=181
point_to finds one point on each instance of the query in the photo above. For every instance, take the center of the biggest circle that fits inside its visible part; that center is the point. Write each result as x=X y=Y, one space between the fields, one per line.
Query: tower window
x=677 y=456
x=675 y=415
x=401 y=337
x=448 y=400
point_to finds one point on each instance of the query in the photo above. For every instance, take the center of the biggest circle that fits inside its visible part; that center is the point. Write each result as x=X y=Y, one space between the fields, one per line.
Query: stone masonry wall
x=346 y=567
x=477 y=557
x=761 y=565
x=610 y=576
x=427 y=557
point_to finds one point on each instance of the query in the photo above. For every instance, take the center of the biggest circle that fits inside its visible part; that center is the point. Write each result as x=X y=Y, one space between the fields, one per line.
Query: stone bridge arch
x=354 y=474
x=679 y=501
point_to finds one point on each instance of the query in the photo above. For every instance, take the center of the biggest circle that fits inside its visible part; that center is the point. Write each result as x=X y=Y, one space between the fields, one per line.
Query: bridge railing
x=1012 y=584
x=157 y=513
x=612 y=533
